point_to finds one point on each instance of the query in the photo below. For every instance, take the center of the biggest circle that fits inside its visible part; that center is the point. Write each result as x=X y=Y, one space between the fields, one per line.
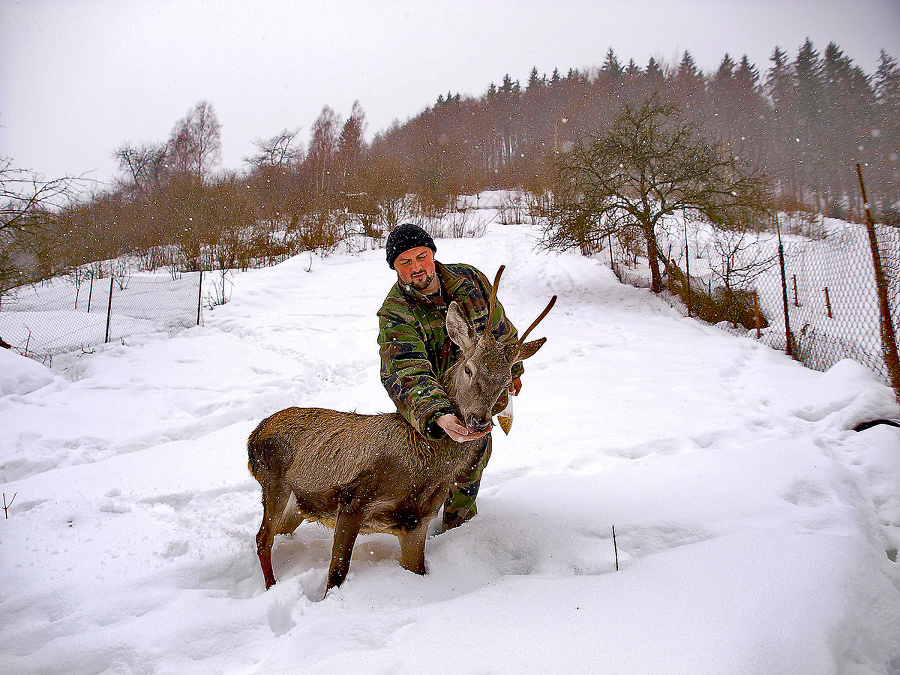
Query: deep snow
x=754 y=527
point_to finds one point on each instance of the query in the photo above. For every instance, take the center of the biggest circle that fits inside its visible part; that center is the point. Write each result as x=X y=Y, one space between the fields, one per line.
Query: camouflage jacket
x=416 y=350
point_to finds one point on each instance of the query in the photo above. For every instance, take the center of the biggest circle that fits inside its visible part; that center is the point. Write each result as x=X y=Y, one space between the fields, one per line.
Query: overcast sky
x=78 y=78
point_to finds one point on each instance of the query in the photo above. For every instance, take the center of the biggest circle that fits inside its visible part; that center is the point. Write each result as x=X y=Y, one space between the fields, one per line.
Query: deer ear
x=529 y=349
x=458 y=327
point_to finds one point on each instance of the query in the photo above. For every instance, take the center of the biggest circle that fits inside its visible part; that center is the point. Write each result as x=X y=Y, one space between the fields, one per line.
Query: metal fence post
x=199 y=296
x=788 y=338
x=888 y=339
x=612 y=263
x=687 y=268
x=109 y=307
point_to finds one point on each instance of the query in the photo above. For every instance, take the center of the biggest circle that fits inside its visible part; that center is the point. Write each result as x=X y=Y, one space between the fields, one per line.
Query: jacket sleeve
x=408 y=376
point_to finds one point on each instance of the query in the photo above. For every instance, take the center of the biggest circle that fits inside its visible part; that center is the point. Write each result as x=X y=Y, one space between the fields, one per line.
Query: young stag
x=375 y=473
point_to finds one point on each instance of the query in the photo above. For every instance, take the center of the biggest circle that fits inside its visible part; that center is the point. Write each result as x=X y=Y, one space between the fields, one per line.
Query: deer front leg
x=346 y=528
x=412 y=548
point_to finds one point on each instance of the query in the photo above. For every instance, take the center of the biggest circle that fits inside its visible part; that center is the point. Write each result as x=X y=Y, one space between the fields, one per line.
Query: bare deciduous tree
x=143 y=167
x=27 y=206
x=279 y=151
x=648 y=165
x=195 y=146
x=741 y=257
x=323 y=149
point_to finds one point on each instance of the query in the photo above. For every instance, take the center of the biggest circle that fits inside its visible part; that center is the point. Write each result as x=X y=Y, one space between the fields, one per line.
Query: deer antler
x=493 y=302
x=537 y=320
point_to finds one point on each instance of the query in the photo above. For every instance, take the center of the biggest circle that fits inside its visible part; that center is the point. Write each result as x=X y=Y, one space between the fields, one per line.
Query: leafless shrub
x=513 y=209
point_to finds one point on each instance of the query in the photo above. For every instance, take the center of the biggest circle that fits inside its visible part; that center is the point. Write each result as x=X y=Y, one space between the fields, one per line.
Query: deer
x=359 y=474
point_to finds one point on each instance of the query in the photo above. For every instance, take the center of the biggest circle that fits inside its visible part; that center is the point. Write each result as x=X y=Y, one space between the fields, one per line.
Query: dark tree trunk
x=653 y=258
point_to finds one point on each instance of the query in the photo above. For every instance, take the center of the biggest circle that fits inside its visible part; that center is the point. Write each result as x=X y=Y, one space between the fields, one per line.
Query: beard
x=422 y=282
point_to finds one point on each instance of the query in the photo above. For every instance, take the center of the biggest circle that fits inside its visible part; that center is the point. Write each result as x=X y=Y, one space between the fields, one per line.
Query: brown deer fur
x=375 y=473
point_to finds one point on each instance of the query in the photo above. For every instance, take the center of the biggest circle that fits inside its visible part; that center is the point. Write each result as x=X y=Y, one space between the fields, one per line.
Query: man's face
x=415 y=268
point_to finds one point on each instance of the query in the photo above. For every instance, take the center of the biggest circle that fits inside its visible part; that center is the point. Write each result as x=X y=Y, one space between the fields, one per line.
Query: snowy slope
x=752 y=523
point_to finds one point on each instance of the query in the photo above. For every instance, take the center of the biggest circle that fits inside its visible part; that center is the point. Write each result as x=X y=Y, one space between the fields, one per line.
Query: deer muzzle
x=478 y=424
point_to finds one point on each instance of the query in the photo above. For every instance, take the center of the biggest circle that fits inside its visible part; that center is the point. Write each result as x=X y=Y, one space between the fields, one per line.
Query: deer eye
x=467 y=371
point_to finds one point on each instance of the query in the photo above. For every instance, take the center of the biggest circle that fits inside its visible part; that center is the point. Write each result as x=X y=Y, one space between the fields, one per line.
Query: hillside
x=756 y=532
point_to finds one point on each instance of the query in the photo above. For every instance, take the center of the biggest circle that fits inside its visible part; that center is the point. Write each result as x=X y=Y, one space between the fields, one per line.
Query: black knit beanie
x=404 y=237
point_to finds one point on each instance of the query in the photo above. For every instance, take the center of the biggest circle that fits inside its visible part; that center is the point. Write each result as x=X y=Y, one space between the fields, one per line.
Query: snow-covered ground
x=59 y=316
x=755 y=529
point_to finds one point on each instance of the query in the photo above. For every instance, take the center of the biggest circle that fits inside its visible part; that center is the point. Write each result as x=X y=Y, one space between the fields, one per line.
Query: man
x=416 y=350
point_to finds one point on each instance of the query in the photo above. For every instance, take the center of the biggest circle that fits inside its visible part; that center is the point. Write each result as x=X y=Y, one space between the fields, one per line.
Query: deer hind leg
x=276 y=498
x=412 y=548
x=346 y=528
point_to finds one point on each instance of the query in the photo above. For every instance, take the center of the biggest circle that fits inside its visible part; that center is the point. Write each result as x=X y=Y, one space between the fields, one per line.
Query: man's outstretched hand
x=457 y=430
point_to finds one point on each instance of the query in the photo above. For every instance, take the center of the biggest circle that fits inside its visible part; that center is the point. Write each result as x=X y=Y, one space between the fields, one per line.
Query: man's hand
x=457 y=430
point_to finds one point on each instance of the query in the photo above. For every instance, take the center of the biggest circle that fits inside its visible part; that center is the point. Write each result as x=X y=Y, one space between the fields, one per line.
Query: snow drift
x=756 y=532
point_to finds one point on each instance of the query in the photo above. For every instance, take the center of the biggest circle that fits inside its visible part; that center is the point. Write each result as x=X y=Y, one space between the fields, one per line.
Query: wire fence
x=832 y=301
x=826 y=303
x=108 y=301
x=72 y=313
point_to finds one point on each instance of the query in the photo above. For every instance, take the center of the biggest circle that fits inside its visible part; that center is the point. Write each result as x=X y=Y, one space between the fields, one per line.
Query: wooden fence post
x=888 y=339
x=756 y=315
x=827 y=303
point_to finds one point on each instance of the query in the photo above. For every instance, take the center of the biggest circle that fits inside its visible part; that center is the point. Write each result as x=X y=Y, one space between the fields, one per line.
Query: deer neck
x=448 y=384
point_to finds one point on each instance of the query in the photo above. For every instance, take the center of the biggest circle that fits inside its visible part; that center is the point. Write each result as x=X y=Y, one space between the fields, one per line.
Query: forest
x=799 y=128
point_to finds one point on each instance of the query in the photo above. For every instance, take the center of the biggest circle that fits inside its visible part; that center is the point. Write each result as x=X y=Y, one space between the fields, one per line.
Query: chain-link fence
x=826 y=303
x=828 y=297
x=832 y=301
x=74 y=313
x=107 y=301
